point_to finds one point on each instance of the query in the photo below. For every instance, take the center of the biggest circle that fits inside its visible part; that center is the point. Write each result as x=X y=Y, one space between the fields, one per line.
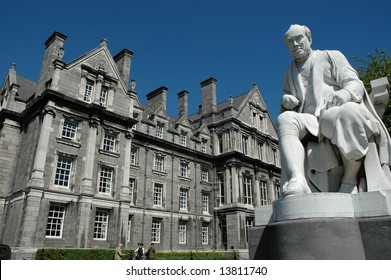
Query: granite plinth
x=324 y=226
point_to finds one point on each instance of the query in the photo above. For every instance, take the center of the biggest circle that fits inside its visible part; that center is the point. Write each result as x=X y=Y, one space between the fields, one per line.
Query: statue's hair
x=306 y=30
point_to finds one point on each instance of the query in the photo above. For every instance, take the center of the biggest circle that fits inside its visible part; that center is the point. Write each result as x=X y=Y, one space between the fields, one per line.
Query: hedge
x=107 y=254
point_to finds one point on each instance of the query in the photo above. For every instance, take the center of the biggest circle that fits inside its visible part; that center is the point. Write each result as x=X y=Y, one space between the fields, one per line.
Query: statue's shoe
x=348 y=188
x=296 y=187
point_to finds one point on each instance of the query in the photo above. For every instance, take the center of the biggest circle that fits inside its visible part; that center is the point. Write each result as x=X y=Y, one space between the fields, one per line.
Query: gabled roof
x=27 y=88
x=106 y=59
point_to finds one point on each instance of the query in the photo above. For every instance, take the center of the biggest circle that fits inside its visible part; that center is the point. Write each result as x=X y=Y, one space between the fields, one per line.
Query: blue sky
x=179 y=43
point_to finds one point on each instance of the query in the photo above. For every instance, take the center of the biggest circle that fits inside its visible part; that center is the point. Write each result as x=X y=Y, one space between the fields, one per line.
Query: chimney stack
x=157 y=98
x=208 y=93
x=53 y=51
x=124 y=60
x=183 y=103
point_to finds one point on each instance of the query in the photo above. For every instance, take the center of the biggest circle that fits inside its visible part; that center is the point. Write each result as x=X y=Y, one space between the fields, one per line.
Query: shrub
x=107 y=254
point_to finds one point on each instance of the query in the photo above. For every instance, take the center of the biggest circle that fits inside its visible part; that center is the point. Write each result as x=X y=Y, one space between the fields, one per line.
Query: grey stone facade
x=85 y=165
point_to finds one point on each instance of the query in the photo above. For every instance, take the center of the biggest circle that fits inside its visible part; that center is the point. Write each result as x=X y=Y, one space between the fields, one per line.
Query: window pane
x=101 y=224
x=106 y=177
x=63 y=171
x=69 y=130
x=103 y=96
x=88 y=91
x=157 y=194
x=155 y=232
x=55 y=222
x=182 y=233
x=109 y=142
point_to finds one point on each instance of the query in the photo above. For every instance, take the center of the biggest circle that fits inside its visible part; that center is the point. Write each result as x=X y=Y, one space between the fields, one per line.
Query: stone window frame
x=134 y=155
x=205 y=233
x=205 y=203
x=133 y=190
x=111 y=187
x=72 y=170
x=158 y=197
x=92 y=85
x=156 y=230
x=182 y=232
x=101 y=224
x=248 y=197
x=55 y=222
x=184 y=196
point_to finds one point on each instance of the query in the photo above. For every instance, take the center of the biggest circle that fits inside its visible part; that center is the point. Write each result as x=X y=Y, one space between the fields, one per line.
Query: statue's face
x=299 y=46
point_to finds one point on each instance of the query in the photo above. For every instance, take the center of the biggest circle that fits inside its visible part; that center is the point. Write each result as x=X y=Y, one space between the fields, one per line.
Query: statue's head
x=298 y=40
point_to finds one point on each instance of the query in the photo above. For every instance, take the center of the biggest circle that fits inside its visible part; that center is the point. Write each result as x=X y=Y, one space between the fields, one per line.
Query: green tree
x=376 y=66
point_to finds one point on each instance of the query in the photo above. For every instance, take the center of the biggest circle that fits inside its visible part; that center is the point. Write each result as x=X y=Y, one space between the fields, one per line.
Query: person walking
x=150 y=254
x=118 y=253
x=139 y=252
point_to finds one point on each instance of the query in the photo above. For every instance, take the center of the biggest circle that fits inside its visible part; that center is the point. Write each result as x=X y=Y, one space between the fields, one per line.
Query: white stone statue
x=330 y=135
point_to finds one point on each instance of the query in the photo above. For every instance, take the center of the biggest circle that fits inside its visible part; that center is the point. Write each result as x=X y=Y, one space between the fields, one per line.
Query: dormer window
x=97 y=87
x=88 y=91
x=203 y=146
x=159 y=130
x=103 y=96
x=182 y=139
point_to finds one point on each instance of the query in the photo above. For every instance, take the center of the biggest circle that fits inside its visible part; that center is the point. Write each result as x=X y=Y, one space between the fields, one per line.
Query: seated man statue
x=326 y=121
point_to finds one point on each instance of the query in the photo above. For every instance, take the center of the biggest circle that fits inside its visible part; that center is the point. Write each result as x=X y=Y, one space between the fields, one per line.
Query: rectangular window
x=182 y=140
x=101 y=224
x=183 y=198
x=129 y=230
x=247 y=188
x=220 y=141
x=245 y=145
x=205 y=203
x=159 y=163
x=203 y=146
x=155 y=231
x=276 y=191
x=260 y=151
x=184 y=169
x=261 y=126
x=69 y=130
x=205 y=233
x=63 y=171
x=254 y=119
x=55 y=222
x=274 y=154
x=158 y=194
x=106 y=179
x=159 y=130
x=221 y=188
x=263 y=192
x=109 y=142
x=133 y=156
x=132 y=190
x=205 y=175
x=88 y=91
x=103 y=96
x=182 y=232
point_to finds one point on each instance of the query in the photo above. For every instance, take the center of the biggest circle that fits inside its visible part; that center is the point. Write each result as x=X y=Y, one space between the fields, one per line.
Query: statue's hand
x=338 y=98
x=289 y=101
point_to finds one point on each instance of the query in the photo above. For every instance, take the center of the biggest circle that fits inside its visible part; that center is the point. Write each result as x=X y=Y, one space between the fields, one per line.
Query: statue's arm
x=346 y=77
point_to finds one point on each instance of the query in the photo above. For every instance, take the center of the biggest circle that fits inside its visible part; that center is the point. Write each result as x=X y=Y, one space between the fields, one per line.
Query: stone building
x=85 y=165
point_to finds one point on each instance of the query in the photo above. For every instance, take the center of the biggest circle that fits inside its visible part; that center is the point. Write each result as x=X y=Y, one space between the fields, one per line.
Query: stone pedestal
x=323 y=226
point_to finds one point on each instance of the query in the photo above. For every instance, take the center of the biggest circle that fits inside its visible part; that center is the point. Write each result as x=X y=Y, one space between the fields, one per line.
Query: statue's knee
x=350 y=111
